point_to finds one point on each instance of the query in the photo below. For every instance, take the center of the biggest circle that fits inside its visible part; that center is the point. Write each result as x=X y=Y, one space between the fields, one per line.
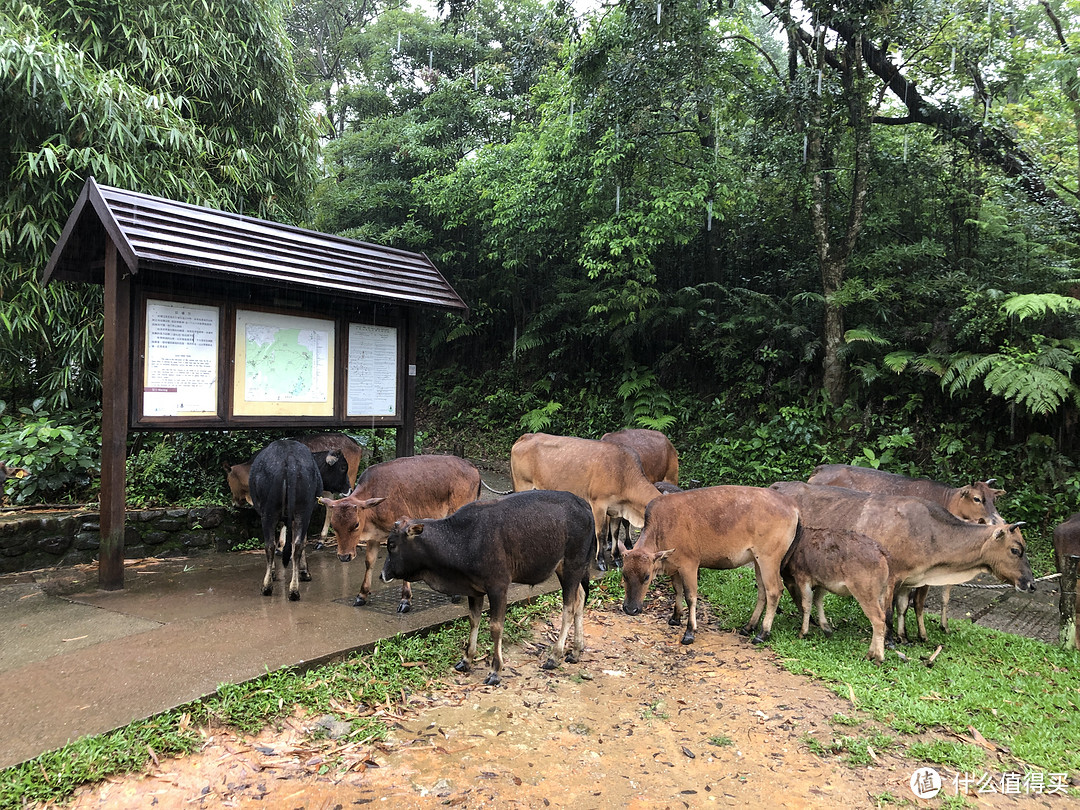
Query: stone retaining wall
x=29 y=541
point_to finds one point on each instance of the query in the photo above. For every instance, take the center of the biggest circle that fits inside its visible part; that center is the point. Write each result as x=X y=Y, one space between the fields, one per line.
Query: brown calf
x=847 y=564
x=713 y=527
x=415 y=487
x=973 y=502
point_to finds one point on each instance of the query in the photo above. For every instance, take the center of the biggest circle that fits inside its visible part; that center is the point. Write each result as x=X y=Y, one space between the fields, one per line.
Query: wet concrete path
x=76 y=660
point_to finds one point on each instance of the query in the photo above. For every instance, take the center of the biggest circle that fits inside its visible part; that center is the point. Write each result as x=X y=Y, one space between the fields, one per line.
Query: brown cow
x=605 y=474
x=928 y=545
x=974 y=502
x=847 y=564
x=414 y=486
x=659 y=462
x=713 y=527
x=1067 y=544
x=237 y=475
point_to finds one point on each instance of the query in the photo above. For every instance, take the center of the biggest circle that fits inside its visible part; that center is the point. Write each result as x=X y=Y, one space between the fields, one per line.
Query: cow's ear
x=332 y=458
x=370 y=503
x=965 y=492
x=658 y=556
x=998 y=492
x=226 y=466
x=329 y=503
x=415 y=529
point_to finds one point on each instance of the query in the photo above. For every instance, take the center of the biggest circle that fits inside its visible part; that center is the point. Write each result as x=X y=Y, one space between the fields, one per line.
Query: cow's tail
x=287 y=510
x=794 y=544
x=495 y=491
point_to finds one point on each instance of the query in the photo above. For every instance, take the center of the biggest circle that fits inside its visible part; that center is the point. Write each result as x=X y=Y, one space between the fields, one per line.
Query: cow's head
x=238 y=476
x=975 y=503
x=639 y=569
x=350 y=517
x=1006 y=554
x=401 y=535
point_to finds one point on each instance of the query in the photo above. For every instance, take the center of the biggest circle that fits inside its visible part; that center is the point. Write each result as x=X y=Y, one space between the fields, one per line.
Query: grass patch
x=1015 y=691
x=395 y=668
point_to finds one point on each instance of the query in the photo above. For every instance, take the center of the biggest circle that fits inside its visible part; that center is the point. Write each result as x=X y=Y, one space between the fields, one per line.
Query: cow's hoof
x=492 y=679
x=462 y=666
x=404 y=607
x=268 y=591
x=745 y=631
x=688 y=638
x=675 y=621
x=572 y=657
x=294 y=596
x=360 y=601
x=828 y=631
x=761 y=638
x=601 y=565
x=549 y=664
x=305 y=576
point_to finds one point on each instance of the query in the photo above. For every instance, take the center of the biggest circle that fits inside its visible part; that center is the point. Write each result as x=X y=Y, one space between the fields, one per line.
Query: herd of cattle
x=882 y=538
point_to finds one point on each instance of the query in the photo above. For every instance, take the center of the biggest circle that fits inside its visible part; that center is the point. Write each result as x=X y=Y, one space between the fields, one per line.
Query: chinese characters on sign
x=180 y=375
x=372 y=371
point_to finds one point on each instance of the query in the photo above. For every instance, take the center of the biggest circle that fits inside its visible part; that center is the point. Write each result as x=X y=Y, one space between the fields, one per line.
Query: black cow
x=486 y=545
x=284 y=483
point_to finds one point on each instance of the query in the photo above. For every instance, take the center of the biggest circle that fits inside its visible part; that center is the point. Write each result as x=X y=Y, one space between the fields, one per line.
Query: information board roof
x=156 y=234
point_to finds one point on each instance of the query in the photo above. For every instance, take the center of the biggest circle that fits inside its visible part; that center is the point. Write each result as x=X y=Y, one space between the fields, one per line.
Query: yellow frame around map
x=321 y=404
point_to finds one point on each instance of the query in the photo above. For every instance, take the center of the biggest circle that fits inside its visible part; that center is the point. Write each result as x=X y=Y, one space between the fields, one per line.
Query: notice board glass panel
x=284 y=365
x=373 y=371
x=180 y=372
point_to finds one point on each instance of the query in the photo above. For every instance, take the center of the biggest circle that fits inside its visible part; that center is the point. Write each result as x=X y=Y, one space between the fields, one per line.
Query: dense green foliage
x=197 y=102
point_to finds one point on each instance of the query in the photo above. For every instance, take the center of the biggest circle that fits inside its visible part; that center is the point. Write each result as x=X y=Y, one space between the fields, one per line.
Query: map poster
x=284 y=365
x=181 y=367
x=373 y=371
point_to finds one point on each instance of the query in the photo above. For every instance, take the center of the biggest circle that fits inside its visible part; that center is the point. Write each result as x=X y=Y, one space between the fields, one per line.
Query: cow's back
x=580 y=466
x=912 y=529
x=867 y=479
x=718 y=525
x=657 y=455
x=419 y=487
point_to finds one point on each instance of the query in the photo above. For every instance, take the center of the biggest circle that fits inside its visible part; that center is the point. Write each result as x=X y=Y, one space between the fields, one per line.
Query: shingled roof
x=155 y=234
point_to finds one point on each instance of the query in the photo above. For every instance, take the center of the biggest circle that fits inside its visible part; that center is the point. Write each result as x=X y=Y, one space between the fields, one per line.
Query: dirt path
x=642 y=722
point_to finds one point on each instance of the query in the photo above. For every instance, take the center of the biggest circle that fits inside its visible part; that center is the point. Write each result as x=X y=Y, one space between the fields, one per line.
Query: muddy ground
x=642 y=722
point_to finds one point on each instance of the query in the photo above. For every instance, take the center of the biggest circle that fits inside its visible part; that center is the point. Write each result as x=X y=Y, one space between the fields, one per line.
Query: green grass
x=397 y=666
x=1019 y=693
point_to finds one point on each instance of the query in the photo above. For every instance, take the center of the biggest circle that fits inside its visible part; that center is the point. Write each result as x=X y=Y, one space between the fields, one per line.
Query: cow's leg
x=819 y=608
x=805 y=590
x=269 y=527
x=759 y=607
x=920 y=610
x=496 y=617
x=371 y=554
x=573 y=596
x=874 y=606
x=946 y=592
x=281 y=538
x=297 y=553
x=476 y=607
x=689 y=584
x=676 y=619
x=405 y=605
x=305 y=576
x=769 y=589
x=900 y=606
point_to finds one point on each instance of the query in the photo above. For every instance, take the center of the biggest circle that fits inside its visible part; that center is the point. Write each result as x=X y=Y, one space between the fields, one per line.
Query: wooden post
x=1069 y=602
x=115 y=396
x=406 y=434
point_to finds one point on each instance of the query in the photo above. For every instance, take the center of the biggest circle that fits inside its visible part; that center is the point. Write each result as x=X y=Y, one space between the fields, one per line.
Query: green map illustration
x=285 y=365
